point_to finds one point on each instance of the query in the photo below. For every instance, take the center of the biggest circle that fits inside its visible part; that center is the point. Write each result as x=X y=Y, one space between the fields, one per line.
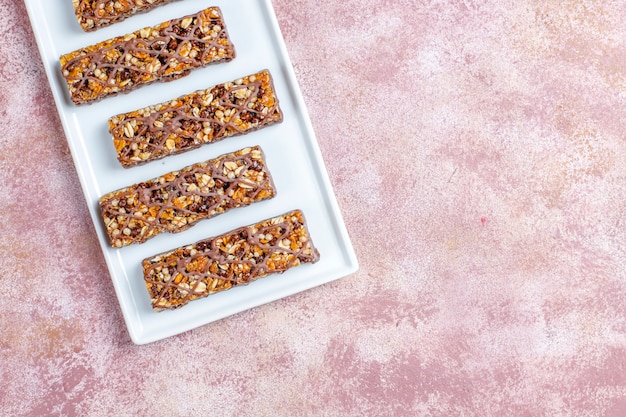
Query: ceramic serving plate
x=291 y=150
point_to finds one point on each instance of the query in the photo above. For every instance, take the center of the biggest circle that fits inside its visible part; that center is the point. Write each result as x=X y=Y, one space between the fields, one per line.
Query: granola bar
x=94 y=14
x=235 y=258
x=164 y=52
x=175 y=201
x=205 y=116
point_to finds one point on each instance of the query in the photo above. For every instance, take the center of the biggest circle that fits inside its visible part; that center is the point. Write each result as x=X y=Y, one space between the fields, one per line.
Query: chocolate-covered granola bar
x=234 y=258
x=94 y=14
x=175 y=201
x=165 y=52
x=187 y=122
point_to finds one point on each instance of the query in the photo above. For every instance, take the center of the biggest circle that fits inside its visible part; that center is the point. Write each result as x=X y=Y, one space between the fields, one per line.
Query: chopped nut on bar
x=235 y=258
x=175 y=201
x=187 y=122
x=164 y=52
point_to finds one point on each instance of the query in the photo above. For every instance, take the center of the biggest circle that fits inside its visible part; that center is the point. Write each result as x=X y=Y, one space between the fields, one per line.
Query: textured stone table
x=478 y=153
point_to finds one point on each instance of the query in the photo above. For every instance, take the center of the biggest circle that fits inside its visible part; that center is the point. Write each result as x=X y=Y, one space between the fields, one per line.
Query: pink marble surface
x=478 y=152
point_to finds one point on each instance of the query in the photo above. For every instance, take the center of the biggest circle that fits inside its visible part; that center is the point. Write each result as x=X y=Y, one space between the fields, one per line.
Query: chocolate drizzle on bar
x=185 y=123
x=235 y=258
x=161 y=53
x=175 y=201
x=94 y=14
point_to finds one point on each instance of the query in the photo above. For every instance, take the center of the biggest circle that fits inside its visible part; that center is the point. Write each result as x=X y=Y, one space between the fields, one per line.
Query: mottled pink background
x=478 y=152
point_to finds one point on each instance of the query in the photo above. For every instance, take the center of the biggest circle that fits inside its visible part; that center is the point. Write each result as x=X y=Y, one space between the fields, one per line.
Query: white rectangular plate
x=292 y=153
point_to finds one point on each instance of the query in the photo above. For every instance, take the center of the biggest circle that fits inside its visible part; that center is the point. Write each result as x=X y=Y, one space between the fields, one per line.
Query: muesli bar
x=187 y=122
x=165 y=52
x=94 y=14
x=175 y=201
x=235 y=258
